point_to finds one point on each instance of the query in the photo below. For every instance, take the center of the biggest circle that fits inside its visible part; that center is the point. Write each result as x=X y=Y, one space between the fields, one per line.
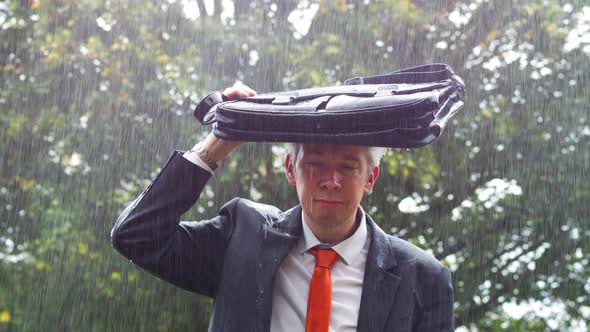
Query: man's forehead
x=346 y=151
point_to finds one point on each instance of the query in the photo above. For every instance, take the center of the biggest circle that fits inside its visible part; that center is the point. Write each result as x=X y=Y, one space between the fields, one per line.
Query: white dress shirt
x=291 y=287
x=289 y=307
x=193 y=157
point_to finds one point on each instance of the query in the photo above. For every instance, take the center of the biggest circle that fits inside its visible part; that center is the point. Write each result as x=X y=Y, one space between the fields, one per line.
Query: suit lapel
x=380 y=284
x=277 y=241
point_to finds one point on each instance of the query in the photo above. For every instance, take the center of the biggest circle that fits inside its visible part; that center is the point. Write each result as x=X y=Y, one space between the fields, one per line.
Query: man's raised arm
x=149 y=231
x=212 y=149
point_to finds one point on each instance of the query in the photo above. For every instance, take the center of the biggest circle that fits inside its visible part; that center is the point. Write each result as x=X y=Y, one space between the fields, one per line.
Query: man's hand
x=217 y=148
x=239 y=90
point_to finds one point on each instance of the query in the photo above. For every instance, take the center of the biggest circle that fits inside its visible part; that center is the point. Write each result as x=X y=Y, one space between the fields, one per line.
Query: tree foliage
x=94 y=96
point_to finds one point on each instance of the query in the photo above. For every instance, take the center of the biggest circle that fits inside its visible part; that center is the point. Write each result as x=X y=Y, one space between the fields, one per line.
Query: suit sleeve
x=149 y=231
x=437 y=303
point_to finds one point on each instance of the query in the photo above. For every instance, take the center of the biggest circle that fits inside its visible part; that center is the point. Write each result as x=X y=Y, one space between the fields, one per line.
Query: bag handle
x=205 y=110
x=419 y=74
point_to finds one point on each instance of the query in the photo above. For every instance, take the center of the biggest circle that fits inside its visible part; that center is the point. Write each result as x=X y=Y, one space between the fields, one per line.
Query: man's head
x=331 y=179
x=375 y=153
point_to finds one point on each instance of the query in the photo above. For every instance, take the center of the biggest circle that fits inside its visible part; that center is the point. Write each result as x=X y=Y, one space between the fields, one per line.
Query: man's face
x=331 y=181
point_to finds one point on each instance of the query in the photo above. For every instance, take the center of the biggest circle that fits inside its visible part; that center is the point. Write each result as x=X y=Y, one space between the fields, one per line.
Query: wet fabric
x=233 y=258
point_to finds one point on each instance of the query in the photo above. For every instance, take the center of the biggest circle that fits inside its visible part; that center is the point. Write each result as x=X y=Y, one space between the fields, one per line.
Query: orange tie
x=319 y=300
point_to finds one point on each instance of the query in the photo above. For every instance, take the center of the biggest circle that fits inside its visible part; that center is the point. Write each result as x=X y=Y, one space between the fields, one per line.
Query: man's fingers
x=250 y=91
x=230 y=92
x=239 y=91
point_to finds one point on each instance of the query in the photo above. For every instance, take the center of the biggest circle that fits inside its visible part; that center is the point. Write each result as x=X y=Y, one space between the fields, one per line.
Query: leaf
x=132 y=276
x=163 y=58
x=83 y=248
x=332 y=50
x=405 y=4
x=24 y=184
x=4 y=316
x=316 y=77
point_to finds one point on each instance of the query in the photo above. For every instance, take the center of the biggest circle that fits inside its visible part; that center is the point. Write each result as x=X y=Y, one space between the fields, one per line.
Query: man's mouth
x=328 y=202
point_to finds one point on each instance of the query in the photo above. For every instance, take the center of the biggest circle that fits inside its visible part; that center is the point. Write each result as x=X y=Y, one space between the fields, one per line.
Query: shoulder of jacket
x=267 y=212
x=412 y=254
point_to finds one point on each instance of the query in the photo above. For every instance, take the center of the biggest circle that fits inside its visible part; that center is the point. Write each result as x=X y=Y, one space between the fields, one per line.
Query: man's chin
x=328 y=219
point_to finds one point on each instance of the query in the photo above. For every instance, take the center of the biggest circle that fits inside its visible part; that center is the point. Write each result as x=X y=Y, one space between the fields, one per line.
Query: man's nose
x=331 y=179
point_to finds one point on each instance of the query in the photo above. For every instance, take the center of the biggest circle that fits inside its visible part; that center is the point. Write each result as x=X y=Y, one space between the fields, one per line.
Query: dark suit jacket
x=233 y=258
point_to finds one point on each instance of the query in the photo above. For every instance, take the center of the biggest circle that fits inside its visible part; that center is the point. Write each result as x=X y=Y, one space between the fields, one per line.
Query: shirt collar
x=348 y=249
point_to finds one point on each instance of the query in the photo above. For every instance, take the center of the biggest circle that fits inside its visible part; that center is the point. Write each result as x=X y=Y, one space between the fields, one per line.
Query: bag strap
x=419 y=74
x=205 y=110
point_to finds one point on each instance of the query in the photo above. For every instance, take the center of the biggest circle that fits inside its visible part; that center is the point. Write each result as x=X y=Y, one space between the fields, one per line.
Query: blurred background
x=96 y=95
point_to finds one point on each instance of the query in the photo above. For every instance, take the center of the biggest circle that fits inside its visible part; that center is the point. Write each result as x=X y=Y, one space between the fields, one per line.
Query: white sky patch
x=191 y=9
x=7 y=254
x=579 y=36
x=302 y=17
x=75 y=163
x=554 y=312
x=496 y=190
x=441 y=45
x=452 y=262
x=255 y=194
x=279 y=152
x=511 y=55
x=3 y=11
x=210 y=7
x=522 y=261
x=461 y=15
x=413 y=204
x=106 y=22
x=75 y=159
x=253 y=57
x=492 y=64
x=490 y=194
x=459 y=19
x=84 y=121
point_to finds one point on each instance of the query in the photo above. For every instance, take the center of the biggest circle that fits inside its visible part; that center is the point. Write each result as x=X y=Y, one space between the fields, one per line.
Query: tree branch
x=202 y=8
x=218 y=8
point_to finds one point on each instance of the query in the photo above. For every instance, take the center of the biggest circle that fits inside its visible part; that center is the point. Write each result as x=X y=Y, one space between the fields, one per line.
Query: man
x=323 y=265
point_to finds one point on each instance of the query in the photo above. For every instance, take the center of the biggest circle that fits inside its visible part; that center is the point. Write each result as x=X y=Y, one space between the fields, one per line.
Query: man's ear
x=373 y=175
x=289 y=169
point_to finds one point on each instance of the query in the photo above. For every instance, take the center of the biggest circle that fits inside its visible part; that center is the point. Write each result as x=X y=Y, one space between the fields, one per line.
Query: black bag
x=404 y=109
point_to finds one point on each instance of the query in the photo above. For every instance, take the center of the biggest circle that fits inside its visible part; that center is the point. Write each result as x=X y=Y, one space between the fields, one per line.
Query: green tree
x=94 y=97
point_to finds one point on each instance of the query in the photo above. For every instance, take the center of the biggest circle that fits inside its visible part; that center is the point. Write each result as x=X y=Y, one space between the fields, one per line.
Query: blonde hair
x=374 y=158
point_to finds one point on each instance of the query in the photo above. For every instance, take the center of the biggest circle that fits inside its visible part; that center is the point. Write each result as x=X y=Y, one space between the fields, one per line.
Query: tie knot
x=324 y=257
